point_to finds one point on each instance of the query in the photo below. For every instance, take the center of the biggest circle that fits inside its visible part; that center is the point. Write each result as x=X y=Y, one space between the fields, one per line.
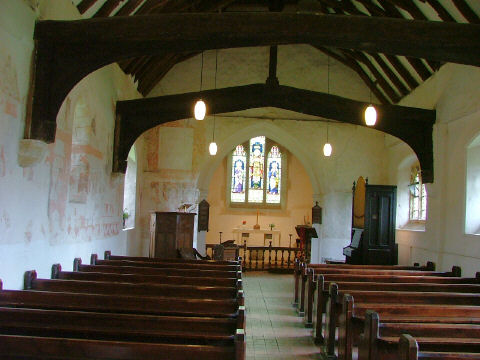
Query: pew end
x=107 y=254
x=76 y=264
x=317 y=330
x=28 y=277
x=93 y=259
x=456 y=271
x=240 y=345
x=407 y=348
x=431 y=266
x=56 y=270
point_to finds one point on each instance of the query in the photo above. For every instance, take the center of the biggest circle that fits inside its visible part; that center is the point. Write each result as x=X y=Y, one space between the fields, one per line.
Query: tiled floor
x=274 y=331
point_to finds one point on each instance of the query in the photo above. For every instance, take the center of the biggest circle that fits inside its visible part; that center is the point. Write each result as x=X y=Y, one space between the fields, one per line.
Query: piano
x=373 y=225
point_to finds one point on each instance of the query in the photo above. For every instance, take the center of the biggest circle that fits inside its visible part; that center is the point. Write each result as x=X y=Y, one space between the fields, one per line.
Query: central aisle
x=273 y=329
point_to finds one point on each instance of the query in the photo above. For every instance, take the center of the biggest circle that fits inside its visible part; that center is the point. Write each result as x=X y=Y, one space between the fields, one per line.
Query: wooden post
x=318 y=336
x=331 y=321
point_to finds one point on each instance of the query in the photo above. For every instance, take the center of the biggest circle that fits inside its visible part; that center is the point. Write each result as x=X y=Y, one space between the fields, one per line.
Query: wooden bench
x=184 y=264
x=379 y=340
x=33 y=347
x=352 y=319
x=31 y=282
x=121 y=303
x=57 y=273
x=300 y=269
x=319 y=305
x=408 y=350
x=108 y=256
x=166 y=264
x=308 y=278
x=173 y=271
x=121 y=327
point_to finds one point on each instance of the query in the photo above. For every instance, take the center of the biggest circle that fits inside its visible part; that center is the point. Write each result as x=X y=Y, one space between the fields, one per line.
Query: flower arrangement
x=271 y=226
x=244 y=222
x=126 y=215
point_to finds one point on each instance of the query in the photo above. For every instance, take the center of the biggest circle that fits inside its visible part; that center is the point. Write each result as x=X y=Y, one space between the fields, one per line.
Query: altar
x=256 y=237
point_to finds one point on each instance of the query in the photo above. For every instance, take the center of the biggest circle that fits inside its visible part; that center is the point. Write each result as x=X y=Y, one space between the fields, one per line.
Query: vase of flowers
x=271 y=226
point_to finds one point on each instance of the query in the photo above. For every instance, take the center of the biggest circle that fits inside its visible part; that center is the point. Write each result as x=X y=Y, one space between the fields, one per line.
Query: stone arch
x=262 y=128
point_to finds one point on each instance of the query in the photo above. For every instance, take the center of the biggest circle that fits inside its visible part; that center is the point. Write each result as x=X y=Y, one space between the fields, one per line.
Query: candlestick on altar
x=256 y=226
x=290 y=242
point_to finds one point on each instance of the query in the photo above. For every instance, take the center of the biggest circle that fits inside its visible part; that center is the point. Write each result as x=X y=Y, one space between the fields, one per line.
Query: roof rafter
x=467 y=11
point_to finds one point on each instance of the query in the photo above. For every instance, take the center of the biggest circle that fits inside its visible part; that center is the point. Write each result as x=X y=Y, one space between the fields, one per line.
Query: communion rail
x=261 y=258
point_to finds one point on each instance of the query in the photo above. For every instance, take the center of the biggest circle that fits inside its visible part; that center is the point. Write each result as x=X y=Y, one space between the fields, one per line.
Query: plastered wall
x=179 y=170
x=454 y=91
x=67 y=203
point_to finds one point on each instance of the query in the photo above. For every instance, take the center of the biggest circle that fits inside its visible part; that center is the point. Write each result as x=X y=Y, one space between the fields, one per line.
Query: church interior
x=98 y=132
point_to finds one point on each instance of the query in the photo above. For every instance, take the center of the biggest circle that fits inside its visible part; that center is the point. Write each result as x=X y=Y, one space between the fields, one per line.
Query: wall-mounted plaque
x=316 y=214
x=203 y=215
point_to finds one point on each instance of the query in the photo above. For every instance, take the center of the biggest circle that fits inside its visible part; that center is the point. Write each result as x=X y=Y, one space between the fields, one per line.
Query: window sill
x=127 y=229
x=414 y=226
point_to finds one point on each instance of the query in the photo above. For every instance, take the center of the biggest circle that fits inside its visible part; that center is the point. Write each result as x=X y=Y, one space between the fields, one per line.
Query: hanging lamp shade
x=327 y=149
x=370 y=115
x=200 y=110
x=212 y=148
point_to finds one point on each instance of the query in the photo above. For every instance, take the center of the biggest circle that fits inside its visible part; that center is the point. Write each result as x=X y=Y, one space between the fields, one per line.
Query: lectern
x=169 y=232
x=305 y=234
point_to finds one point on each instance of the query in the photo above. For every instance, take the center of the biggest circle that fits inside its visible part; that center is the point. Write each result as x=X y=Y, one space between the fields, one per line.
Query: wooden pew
x=352 y=318
x=179 y=271
x=166 y=264
x=57 y=273
x=121 y=303
x=108 y=256
x=322 y=294
x=301 y=267
x=379 y=340
x=121 y=327
x=31 y=282
x=33 y=347
x=408 y=350
x=307 y=297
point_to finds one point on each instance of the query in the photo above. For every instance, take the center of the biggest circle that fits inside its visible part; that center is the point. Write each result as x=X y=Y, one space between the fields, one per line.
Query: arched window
x=256 y=174
x=472 y=201
x=418 y=196
x=130 y=190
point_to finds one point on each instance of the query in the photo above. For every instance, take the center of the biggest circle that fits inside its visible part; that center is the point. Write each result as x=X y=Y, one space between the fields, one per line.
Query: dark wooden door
x=379 y=237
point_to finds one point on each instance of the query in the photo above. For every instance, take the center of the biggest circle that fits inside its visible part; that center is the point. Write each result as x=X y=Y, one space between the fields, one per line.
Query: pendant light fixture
x=370 y=112
x=327 y=148
x=200 y=108
x=212 y=148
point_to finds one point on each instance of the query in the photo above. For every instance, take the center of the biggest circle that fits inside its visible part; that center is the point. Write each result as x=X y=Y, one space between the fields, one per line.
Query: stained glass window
x=418 y=196
x=256 y=174
x=239 y=162
x=256 y=178
x=274 y=168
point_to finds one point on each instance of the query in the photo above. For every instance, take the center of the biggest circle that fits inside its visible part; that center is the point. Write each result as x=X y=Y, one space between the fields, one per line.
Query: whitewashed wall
x=51 y=212
x=356 y=150
x=455 y=92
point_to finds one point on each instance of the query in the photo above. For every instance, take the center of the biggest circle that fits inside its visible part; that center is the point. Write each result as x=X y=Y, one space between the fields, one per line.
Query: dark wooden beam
x=467 y=11
x=440 y=10
x=128 y=8
x=352 y=64
x=107 y=8
x=85 y=5
x=390 y=75
x=361 y=58
x=412 y=125
x=404 y=73
x=67 y=51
